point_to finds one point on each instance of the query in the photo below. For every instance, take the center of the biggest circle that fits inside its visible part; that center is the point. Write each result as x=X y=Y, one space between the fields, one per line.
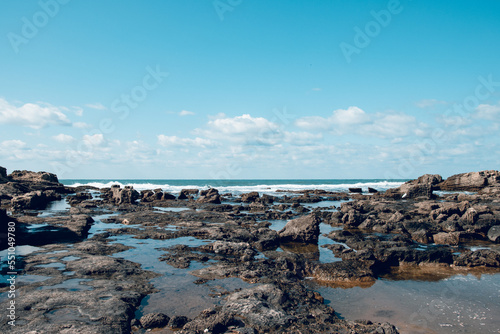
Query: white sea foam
x=239 y=189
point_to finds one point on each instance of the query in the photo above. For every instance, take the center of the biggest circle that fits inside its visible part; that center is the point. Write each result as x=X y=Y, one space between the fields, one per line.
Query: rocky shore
x=424 y=225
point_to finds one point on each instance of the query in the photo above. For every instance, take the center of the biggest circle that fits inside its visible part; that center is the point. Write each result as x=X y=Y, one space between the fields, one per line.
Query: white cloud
x=243 y=129
x=354 y=120
x=12 y=145
x=217 y=116
x=174 y=141
x=429 y=103
x=302 y=138
x=63 y=138
x=349 y=116
x=338 y=121
x=97 y=106
x=94 y=140
x=82 y=125
x=313 y=123
x=488 y=112
x=391 y=125
x=78 y=111
x=186 y=113
x=32 y=115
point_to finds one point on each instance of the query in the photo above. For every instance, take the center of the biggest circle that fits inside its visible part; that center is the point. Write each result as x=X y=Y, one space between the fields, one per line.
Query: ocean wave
x=240 y=189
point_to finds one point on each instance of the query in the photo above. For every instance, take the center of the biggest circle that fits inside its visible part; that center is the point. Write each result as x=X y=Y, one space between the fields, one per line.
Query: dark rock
x=447 y=238
x=352 y=219
x=209 y=196
x=267 y=239
x=396 y=256
x=267 y=199
x=36 y=200
x=473 y=181
x=261 y=307
x=40 y=177
x=302 y=229
x=154 y=320
x=4 y=224
x=3 y=175
x=238 y=249
x=421 y=236
x=372 y=191
x=150 y=196
x=343 y=272
x=178 y=321
x=355 y=190
x=419 y=188
x=167 y=197
x=78 y=198
x=481 y=257
x=494 y=233
x=11 y=189
x=185 y=193
x=250 y=197
x=118 y=196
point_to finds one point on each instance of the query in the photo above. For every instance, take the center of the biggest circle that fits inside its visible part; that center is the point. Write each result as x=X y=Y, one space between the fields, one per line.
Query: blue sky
x=249 y=89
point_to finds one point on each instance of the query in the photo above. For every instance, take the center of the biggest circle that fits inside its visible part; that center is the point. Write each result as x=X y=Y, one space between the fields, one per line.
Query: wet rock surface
x=90 y=288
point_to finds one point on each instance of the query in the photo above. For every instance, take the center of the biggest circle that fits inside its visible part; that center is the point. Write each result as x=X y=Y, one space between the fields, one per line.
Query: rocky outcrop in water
x=209 y=196
x=302 y=229
x=35 y=200
x=118 y=196
x=29 y=190
x=473 y=181
x=90 y=291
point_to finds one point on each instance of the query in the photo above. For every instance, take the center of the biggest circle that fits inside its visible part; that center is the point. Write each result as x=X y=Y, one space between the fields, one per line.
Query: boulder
x=11 y=189
x=237 y=249
x=473 y=181
x=447 y=238
x=3 y=175
x=80 y=224
x=481 y=257
x=21 y=182
x=455 y=238
x=419 y=188
x=167 y=197
x=250 y=197
x=185 y=193
x=395 y=256
x=209 y=196
x=355 y=190
x=150 y=196
x=494 y=233
x=35 y=200
x=261 y=307
x=154 y=320
x=178 y=321
x=302 y=229
x=372 y=190
x=78 y=198
x=36 y=177
x=343 y=272
x=116 y=195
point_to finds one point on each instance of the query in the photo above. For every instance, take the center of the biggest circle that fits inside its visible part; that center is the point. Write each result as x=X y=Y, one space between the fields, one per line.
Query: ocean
x=237 y=187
